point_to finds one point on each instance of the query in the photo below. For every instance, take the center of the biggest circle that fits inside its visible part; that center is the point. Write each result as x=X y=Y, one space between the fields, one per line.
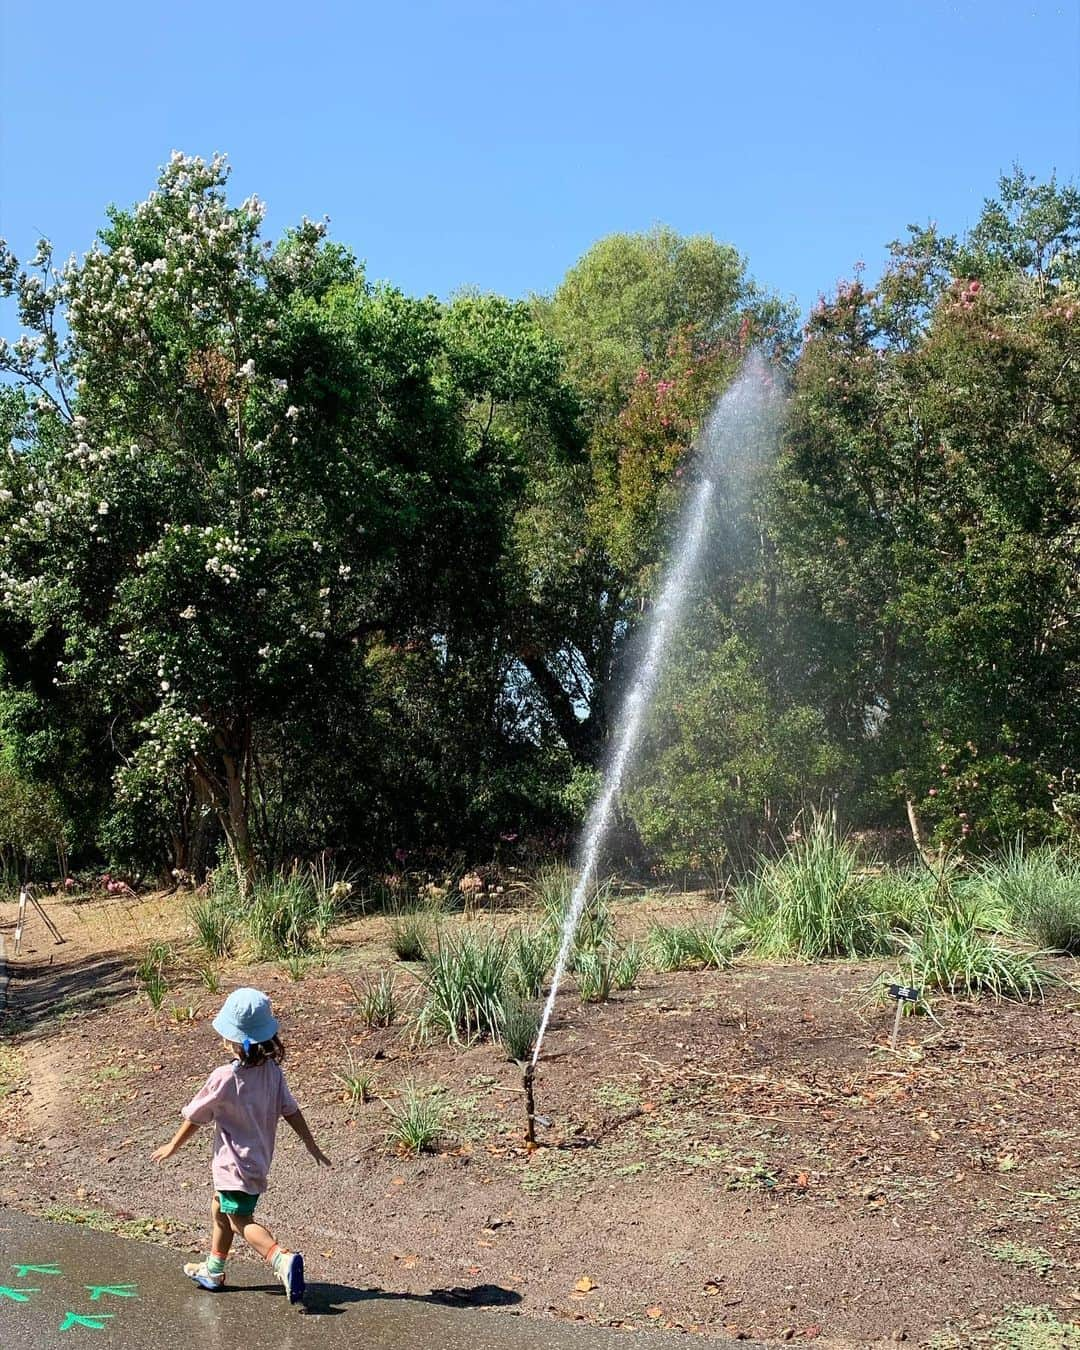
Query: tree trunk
x=234 y=821
x=917 y=835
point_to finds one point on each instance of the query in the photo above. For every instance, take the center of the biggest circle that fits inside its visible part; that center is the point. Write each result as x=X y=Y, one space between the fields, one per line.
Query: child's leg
x=222 y=1233
x=210 y=1274
x=287 y=1266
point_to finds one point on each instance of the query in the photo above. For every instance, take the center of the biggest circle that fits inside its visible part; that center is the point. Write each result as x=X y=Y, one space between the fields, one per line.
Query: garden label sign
x=903 y=993
x=72 y=1321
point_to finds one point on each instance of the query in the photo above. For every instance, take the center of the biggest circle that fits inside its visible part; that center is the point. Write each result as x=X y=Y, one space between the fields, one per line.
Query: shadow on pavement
x=327 y=1300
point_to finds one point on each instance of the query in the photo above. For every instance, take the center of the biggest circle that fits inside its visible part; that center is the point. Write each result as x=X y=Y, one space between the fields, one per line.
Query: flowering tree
x=232 y=462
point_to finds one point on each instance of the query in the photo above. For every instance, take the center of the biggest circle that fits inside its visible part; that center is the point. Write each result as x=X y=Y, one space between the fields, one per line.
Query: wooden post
x=21 y=919
x=530 y=1107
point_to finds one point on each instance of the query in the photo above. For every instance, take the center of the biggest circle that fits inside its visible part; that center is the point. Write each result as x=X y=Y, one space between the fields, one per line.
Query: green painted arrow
x=17 y=1295
x=50 y=1269
x=117 y=1291
x=95 y=1323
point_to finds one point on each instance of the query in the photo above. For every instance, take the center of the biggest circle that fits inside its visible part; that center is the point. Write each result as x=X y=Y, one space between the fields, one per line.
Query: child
x=244 y=1100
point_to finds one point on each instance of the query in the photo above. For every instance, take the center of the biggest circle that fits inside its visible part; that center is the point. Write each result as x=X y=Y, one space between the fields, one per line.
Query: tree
x=240 y=466
x=927 y=510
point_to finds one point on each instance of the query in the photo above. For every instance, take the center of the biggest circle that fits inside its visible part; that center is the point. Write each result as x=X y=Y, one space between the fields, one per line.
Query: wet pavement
x=62 y=1285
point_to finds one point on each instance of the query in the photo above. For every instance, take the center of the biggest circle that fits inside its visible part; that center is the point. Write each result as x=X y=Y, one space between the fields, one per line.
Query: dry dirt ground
x=731 y=1153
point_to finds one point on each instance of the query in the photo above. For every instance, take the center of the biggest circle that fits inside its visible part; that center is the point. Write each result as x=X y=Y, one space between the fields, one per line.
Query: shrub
x=520 y=1023
x=952 y=956
x=376 y=1005
x=417 y=1124
x=464 y=987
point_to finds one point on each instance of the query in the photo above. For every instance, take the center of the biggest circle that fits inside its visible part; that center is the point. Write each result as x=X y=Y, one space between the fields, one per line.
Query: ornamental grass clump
x=410 y=934
x=1040 y=889
x=215 y=919
x=532 y=954
x=813 y=902
x=595 y=970
x=377 y=1004
x=628 y=966
x=690 y=946
x=952 y=956
x=520 y=1023
x=284 y=917
x=417 y=1123
x=464 y=987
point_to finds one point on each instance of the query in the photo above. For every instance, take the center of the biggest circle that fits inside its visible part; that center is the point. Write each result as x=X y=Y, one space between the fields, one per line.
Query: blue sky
x=461 y=142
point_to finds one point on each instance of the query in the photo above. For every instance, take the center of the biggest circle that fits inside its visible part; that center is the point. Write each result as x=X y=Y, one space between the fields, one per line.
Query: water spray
x=731 y=439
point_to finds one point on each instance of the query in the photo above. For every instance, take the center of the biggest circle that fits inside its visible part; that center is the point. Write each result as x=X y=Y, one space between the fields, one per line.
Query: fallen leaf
x=654 y=1312
x=584 y=1285
x=397 y=1181
x=711 y=1288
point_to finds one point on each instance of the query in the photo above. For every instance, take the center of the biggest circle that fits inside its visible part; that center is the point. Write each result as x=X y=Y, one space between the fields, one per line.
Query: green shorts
x=240 y=1203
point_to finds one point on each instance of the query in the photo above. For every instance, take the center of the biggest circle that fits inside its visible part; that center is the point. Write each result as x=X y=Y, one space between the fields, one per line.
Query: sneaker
x=291 y=1276
x=196 y=1270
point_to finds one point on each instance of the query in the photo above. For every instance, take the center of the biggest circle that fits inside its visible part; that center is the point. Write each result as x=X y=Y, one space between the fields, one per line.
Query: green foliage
x=377 y=1003
x=520 y=1023
x=418 y=1121
x=282 y=917
x=1040 y=889
x=951 y=955
x=532 y=954
x=688 y=946
x=812 y=901
x=216 y=918
x=629 y=963
x=410 y=935
x=152 y=972
x=595 y=970
x=357 y=1082
x=723 y=765
x=464 y=988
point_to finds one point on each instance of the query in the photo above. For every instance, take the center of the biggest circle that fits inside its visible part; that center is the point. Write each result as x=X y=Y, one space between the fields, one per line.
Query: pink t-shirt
x=244 y=1103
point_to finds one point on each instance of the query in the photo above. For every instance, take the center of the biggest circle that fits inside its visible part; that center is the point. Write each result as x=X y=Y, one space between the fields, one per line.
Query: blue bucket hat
x=245 y=1016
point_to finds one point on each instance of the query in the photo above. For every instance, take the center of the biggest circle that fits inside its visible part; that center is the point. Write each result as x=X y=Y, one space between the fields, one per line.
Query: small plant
x=215 y=919
x=183 y=1012
x=595 y=975
x=520 y=1023
x=150 y=973
x=211 y=978
x=465 y=986
x=1040 y=888
x=628 y=966
x=418 y=1122
x=377 y=1005
x=531 y=957
x=297 y=966
x=952 y=956
x=687 y=946
x=357 y=1083
x=410 y=935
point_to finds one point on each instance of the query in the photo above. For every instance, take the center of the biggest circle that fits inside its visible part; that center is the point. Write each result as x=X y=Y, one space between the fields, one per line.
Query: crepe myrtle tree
x=228 y=461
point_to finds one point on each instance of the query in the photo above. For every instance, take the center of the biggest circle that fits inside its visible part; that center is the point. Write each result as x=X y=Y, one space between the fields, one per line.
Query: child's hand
x=321 y=1160
x=160 y=1154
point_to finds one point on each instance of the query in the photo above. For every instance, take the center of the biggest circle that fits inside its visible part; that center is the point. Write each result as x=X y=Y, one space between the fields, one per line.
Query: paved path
x=62 y=1286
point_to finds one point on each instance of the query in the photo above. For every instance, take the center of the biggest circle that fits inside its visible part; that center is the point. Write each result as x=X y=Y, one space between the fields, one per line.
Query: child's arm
x=297 y=1122
x=182 y=1135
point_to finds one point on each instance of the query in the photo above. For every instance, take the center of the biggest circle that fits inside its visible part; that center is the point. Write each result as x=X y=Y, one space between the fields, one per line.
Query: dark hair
x=258 y=1052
